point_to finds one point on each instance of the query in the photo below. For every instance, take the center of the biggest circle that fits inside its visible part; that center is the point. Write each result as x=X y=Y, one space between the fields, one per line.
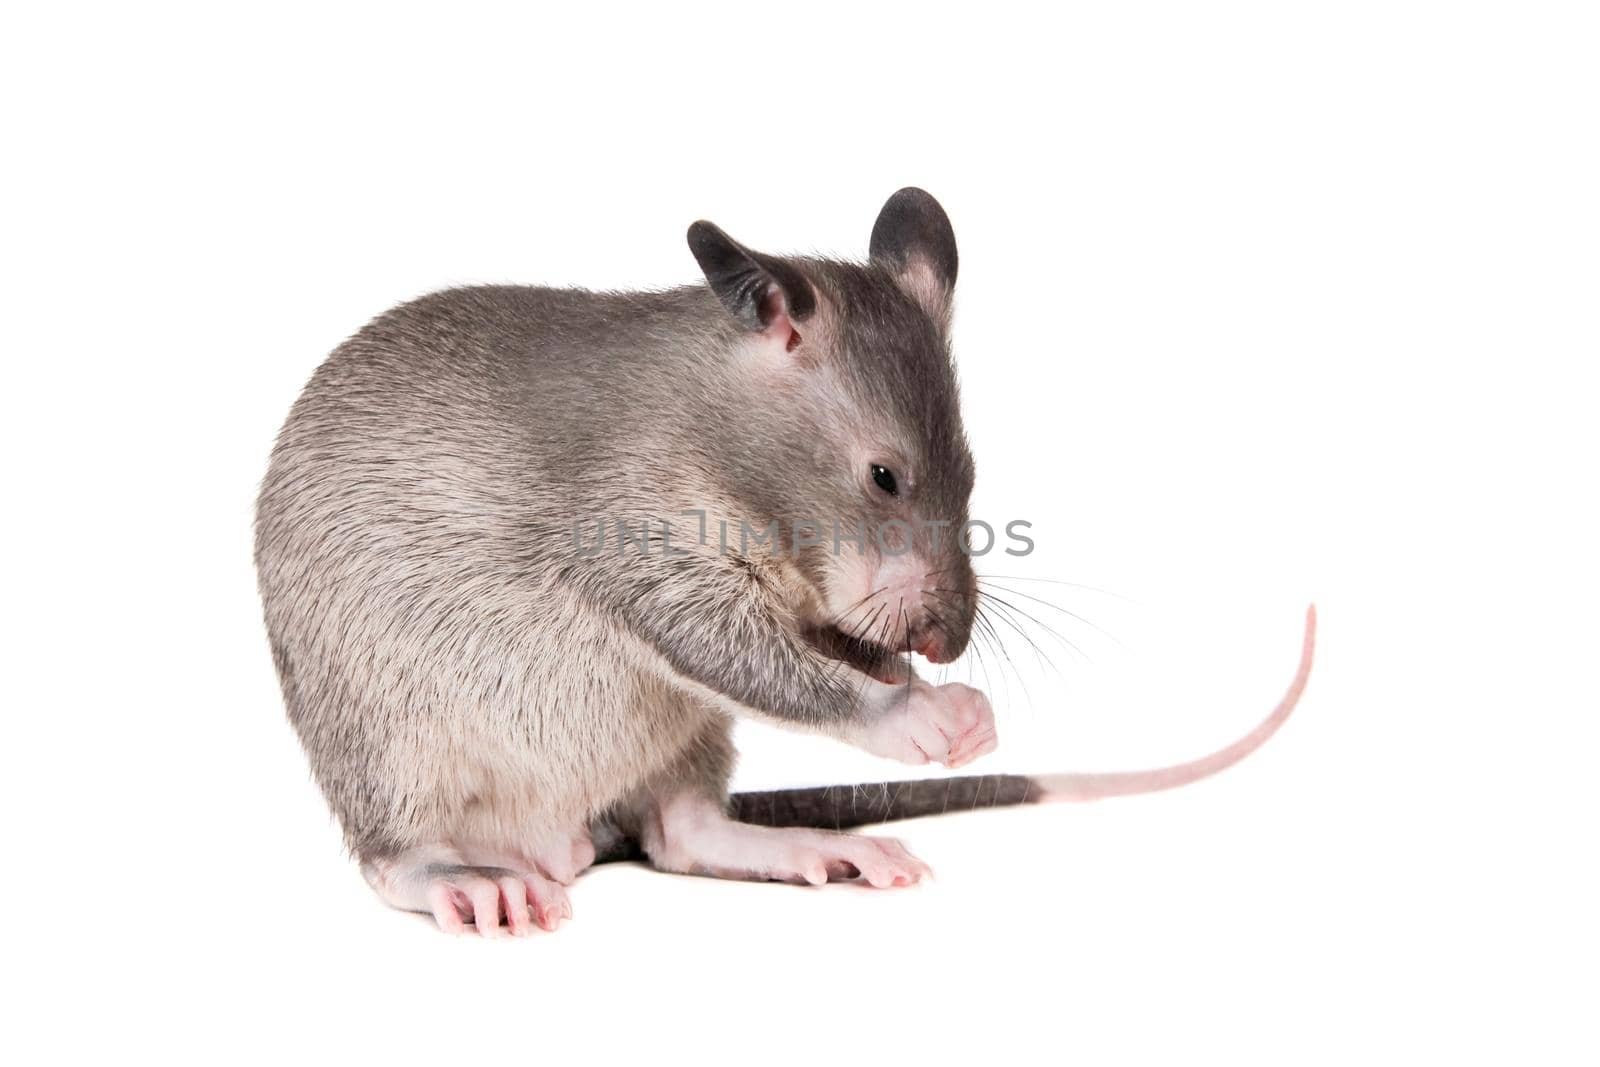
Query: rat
x=491 y=703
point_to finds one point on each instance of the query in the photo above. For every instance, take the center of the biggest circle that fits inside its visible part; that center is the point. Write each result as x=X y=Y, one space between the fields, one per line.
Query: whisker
x=863 y=600
x=1044 y=658
x=875 y=656
x=1010 y=608
x=943 y=624
x=1057 y=581
x=977 y=649
x=840 y=666
x=1107 y=634
x=863 y=626
x=905 y=628
x=993 y=640
x=984 y=634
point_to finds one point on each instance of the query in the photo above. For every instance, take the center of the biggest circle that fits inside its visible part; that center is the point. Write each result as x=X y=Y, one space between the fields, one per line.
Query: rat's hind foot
x=693 y=836
x=457 y=894
x=454 y=893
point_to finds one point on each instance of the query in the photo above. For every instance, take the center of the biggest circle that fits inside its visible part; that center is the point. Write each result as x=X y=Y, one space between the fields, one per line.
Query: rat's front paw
x=949 y=724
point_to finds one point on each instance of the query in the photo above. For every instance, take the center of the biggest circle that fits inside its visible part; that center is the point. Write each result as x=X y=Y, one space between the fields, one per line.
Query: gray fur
x=454 y=668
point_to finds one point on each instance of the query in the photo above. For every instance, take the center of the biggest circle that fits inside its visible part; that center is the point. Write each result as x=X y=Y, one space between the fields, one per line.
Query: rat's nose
x=940 y=631
x=931 y=646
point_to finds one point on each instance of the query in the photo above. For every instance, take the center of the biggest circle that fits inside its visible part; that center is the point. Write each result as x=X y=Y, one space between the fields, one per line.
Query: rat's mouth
x=869 y=657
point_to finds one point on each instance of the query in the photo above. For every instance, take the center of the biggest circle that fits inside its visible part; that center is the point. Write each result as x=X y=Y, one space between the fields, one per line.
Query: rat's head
x=849 y=431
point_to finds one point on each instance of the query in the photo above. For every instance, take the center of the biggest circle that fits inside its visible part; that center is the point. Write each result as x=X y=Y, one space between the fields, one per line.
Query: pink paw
x=484 y=896
x=818 y=857
x=949 y=724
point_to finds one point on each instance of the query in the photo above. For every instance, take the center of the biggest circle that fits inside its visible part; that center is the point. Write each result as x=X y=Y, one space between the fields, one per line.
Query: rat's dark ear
x=913 y=238
x=763 y=292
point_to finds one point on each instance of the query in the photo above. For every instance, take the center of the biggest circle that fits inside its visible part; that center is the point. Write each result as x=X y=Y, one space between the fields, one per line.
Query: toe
x=548 y=901
x=980 y=742
x=879 y=875
x=442 y=903
x=882 y=863
x=485 y=897
x=514 y=900
x=908 y=869
x=809 y=865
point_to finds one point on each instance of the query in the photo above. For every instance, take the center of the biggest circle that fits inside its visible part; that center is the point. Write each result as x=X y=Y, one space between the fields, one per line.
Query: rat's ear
x=913 y=238
x=763 y=292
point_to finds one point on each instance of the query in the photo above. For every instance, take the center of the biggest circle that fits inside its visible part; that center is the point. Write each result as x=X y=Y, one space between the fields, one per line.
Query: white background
x=1258 y=305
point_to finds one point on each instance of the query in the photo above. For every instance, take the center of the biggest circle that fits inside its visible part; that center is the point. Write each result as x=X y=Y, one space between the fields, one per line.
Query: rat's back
x=402 y=540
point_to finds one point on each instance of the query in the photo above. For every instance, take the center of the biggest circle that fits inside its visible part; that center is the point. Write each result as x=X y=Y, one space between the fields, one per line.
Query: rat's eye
x=883 y=478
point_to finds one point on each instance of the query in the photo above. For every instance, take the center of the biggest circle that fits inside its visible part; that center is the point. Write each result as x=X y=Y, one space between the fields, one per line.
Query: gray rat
x=490 y=704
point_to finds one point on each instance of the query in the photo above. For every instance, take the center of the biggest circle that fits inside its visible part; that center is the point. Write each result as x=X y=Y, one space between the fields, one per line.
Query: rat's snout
x=941 y=630
x=930 y=605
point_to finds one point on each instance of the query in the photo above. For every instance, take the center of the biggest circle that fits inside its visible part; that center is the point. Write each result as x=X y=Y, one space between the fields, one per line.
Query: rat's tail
x=844 y=806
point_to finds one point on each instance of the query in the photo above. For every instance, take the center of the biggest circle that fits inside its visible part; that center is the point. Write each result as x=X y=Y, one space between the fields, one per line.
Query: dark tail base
x=845 y=807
